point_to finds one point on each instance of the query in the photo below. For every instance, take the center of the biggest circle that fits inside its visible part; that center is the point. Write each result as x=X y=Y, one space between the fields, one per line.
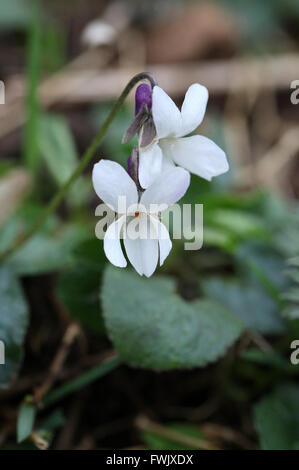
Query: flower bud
x=143 y=97
x=143 y=123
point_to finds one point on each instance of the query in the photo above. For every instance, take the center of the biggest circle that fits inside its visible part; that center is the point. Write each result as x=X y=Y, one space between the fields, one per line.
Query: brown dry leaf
x=13 y=189
x=191 y=35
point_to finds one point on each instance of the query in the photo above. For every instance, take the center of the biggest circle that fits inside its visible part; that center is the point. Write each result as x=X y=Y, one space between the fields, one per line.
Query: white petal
x=193 y=108
x=167 y=116
x=150 y=164
x=198 y=154
x=167 y=162
x=112 y=246
x=143 y=253
x=167 y=189
x=111 y=181
x=165 y=243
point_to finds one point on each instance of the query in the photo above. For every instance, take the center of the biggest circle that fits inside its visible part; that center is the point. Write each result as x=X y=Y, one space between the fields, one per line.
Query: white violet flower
x=112 y=183
x=196 y=153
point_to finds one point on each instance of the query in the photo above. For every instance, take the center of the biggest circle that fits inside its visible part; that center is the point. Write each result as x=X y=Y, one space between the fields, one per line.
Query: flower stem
x=87 y=156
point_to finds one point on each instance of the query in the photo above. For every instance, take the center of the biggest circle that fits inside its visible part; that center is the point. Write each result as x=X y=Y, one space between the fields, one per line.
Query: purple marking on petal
x=143 y=96
x=130 y=167
x=133 y=165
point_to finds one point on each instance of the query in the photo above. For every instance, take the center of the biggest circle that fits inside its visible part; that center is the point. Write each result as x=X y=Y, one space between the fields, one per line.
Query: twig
x=50 y=89
x=145 y=424
x=88 y=85
x=261 y=342
x=87 y=443
x=206 y=409
x=267 y=168
x=39 y=441
x=64 y=440
x=81 y=381
x=27 y=383
x=13 y=189
x=216 y=431
x=71 y=333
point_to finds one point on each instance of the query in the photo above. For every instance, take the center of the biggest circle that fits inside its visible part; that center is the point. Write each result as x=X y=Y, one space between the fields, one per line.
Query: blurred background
x=63 y=64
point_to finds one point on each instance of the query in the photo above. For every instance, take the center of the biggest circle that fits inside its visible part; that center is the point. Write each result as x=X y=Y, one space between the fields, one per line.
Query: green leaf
x=219 y=238
x=40 y=255
x=291 y=312
x=286 y=233
x=25 y=421
x=248 y=302
x=274 y=360
x=46 y=253
x=53 y=421
x=46 y=427
x=13 y=324
x=57 y=147
x=156 y=442
x=78 y=286
x=229 y=222
x=293 y=274
x=276 y=419
x=14 y=14
x=245 y=202
x=54 y=47
x=240 y=224
x=291 y=296
x=33 y=72
x=81 y=381
x=152 y=327
x=294 y=262
x=265 y=265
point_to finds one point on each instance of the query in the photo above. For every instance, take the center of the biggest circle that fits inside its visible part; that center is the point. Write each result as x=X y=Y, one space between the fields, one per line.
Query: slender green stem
x=87 y=156
x=32 y=104
x=79 y=382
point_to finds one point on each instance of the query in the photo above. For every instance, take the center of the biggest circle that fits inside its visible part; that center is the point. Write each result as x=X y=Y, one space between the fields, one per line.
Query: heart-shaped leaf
x=152 y=327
